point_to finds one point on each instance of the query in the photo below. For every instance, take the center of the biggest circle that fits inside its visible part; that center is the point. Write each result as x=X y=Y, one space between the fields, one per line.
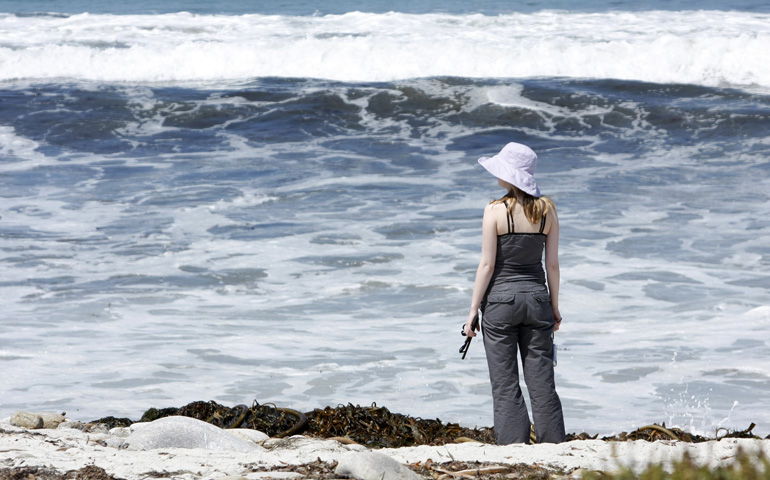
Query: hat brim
x=518 y=178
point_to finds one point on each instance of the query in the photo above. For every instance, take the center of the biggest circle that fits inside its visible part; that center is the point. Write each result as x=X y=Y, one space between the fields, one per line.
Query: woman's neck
x=517 y=196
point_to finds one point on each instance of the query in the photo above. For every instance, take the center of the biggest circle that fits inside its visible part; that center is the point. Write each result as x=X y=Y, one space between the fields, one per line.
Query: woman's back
x=518 y=220
x=520 y=246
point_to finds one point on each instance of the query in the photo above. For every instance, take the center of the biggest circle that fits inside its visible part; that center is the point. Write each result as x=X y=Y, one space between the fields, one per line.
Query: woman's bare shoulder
x=494 y=208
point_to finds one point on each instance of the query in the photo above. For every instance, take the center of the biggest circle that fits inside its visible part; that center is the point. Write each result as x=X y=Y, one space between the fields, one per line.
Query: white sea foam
x=16 y=148
x=713 y=48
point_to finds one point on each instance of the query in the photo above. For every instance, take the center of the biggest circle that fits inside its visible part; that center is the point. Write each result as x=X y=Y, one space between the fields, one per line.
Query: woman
x=518 y=312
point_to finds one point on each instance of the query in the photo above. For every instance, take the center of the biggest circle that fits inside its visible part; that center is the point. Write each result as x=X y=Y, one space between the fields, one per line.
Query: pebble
x=373 y=466
x=114 y=442
x=120 y=432
x=99 y=428
x=73 y=425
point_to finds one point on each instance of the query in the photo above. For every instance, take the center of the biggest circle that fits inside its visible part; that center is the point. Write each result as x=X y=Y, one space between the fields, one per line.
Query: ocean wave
x=712 y=48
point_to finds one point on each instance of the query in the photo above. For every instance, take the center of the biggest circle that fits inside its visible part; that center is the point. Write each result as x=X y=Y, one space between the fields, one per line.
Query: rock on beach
x=35 y=421
x=373 y=466
x=185 y=432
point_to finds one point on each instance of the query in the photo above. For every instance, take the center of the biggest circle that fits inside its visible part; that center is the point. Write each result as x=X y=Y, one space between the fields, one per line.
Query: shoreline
x=248 y=456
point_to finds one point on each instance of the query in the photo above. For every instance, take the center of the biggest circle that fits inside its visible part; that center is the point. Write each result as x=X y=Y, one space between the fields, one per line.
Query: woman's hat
x=516 y=165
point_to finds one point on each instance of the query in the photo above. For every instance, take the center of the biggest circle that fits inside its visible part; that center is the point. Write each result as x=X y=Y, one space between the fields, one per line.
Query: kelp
x=377 y=427
x=481 y=470
x=656 y=432
x=372 y=426
x=738 y=433
x=112 y=422
x=270 y=419
x=89 y=472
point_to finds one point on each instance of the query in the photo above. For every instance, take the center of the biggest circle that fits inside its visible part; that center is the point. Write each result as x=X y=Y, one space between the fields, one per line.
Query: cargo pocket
x=498 y=310
x=544 y=312
x=501 y=298
x=495 y=299
x=542 y=297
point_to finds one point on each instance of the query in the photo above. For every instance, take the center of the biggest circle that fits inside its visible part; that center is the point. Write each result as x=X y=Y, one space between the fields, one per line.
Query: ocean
x=230 y=201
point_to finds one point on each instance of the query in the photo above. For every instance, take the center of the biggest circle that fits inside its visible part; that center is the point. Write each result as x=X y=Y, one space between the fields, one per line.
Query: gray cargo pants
x=518 y=317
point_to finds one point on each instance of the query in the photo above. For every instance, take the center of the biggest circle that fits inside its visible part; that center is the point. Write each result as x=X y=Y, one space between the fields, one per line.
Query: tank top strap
x=509 y=218
x=542 y=224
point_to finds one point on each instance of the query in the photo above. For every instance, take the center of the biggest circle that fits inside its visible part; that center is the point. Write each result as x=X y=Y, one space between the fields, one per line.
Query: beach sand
x=68 y=449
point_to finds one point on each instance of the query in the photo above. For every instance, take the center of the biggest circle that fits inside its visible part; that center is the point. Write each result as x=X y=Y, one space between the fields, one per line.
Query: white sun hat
x=516 y=165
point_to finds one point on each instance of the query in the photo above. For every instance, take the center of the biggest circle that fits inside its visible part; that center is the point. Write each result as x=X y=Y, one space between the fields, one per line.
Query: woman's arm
x=486 y=265
x=552 y=266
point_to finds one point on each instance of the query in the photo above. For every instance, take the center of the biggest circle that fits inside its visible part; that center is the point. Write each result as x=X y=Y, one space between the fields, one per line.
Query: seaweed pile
x=655 y=432
x=372 y=426
x=274 y=421
x=376 y=426
x=89 y=472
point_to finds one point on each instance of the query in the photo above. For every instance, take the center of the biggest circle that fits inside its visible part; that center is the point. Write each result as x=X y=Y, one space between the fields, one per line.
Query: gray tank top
x=519 y=256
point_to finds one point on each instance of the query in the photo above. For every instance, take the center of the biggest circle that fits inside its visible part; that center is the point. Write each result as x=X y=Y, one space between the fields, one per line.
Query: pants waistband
x=519 y=287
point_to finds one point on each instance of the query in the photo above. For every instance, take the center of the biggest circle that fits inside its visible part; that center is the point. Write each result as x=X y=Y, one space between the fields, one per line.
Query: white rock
x=120 y=431
x=99 y=428
x=185 y=432
x=354 y=447
x=138 y=425
x=249 y=435
x=74 y=425
x=27 y=420
x=115 y=442
x=373 y=466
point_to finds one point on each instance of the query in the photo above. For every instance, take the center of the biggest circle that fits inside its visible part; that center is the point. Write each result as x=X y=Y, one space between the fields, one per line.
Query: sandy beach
x=180 y=451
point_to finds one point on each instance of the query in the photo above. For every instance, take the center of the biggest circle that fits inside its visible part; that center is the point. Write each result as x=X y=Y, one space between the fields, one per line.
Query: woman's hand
x=556 y=319
x=469 y=324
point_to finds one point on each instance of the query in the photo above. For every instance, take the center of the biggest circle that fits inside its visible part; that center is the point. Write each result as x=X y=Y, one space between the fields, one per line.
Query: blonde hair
x=534 y=207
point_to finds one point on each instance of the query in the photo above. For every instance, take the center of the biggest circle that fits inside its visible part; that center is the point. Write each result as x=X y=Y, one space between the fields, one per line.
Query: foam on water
x=238 y=245
x=712 y=48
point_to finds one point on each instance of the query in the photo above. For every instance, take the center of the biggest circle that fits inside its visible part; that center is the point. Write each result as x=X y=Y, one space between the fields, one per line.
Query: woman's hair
x=534 y=207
